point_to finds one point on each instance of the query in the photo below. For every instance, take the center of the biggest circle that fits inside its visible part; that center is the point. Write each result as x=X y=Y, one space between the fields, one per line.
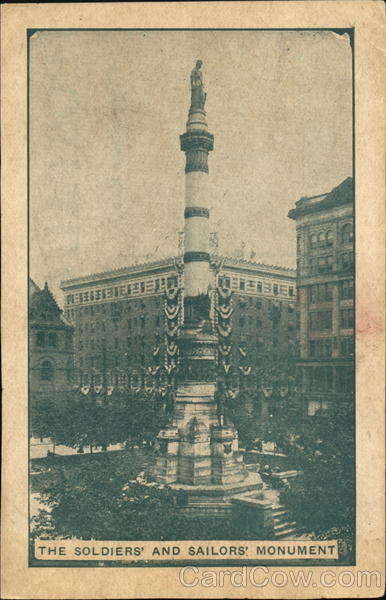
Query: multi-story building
x=51 y=349
x=325 y=289
x=119 y=316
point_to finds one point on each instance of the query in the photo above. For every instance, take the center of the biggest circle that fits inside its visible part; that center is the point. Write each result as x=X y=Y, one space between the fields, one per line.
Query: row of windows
x=135 y=322
x=326 y=238
x=323 y=348
x=142 y=321
x=245 y=302
x=249 y=321
x=137 y=287
x=323 y=292
x=327 y=379
x=116 y=343
x=115 y=361
x=46 y=339
x=322 y=239
x=159 y=285
x=320 y=321
x=326 y=264
x=250 y=285
x=52 y=340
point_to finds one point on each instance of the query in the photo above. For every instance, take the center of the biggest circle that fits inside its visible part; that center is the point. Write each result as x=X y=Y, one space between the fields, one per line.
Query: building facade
x=325 y=289
x=51 y=348
x=119 y=316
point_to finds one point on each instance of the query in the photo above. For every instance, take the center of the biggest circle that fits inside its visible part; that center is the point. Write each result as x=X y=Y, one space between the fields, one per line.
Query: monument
x=198 y=452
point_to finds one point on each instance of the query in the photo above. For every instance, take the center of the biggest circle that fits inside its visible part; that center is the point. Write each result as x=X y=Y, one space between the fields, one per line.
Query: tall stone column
x=197 y=142
x=198 y=448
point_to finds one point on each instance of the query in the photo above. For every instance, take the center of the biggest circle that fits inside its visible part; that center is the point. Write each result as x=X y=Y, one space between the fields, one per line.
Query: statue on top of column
x=197 y=85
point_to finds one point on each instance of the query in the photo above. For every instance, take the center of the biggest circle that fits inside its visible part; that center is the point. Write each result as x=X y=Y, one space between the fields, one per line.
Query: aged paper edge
x=19 y=581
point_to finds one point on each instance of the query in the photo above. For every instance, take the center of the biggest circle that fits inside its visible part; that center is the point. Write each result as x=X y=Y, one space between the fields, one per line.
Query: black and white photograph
x=191 y=293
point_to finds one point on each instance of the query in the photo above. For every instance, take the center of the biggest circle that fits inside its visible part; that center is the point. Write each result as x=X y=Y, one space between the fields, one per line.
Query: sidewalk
x=40 y=449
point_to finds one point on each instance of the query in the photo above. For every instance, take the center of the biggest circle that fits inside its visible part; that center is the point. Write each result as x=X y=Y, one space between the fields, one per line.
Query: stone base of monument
x=205 y=472
x=253 y=514
x=211 y=500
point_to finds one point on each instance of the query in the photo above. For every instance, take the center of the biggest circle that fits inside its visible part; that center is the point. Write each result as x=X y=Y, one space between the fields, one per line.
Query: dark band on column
x=196 y=211
x=196 y=145
x=196 y=257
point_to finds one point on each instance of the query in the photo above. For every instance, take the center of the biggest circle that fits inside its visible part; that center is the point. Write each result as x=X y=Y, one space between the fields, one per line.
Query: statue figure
x=222 y=408
x=197 y=85
x=169 y=405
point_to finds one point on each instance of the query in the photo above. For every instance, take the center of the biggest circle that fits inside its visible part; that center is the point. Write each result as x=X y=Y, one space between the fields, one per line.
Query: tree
x=325 y=453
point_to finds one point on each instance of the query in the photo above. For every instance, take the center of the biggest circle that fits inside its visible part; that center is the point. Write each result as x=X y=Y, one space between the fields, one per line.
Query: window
x=320 y=321
x=313 y=240
x=47 y=371
x=313 y=294
x=347 y=318
x=290 y=291
x=346 y=289
x=142 y=286
x=347 y=346
x=143 y=321
x=321 y=238
x=259 y=286
x=347 y=261
x=242 y=284
x=275 y=289
x=242 y=322
x=52 y=339
x=258 y=304
x=347 y=233
x=40 y=339
x=330 y=263
x=320 y=293
x=329 y=238
x=322 y=264
x=321 y=379
x=320 y=348
x=345 y=379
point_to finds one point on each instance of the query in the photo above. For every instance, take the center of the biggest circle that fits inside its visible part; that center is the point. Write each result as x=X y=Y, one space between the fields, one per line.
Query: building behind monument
x=325 y=284
x=119 y=315
x=51 y=354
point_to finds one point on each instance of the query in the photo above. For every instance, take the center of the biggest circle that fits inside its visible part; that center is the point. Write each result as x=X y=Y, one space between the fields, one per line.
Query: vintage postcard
x=193 y=203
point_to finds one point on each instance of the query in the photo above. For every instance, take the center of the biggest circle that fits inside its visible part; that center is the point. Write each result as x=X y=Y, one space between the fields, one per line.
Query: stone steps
x=284 y=527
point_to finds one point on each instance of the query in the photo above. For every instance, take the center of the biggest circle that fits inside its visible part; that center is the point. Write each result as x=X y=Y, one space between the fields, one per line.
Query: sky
x=106 y=170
